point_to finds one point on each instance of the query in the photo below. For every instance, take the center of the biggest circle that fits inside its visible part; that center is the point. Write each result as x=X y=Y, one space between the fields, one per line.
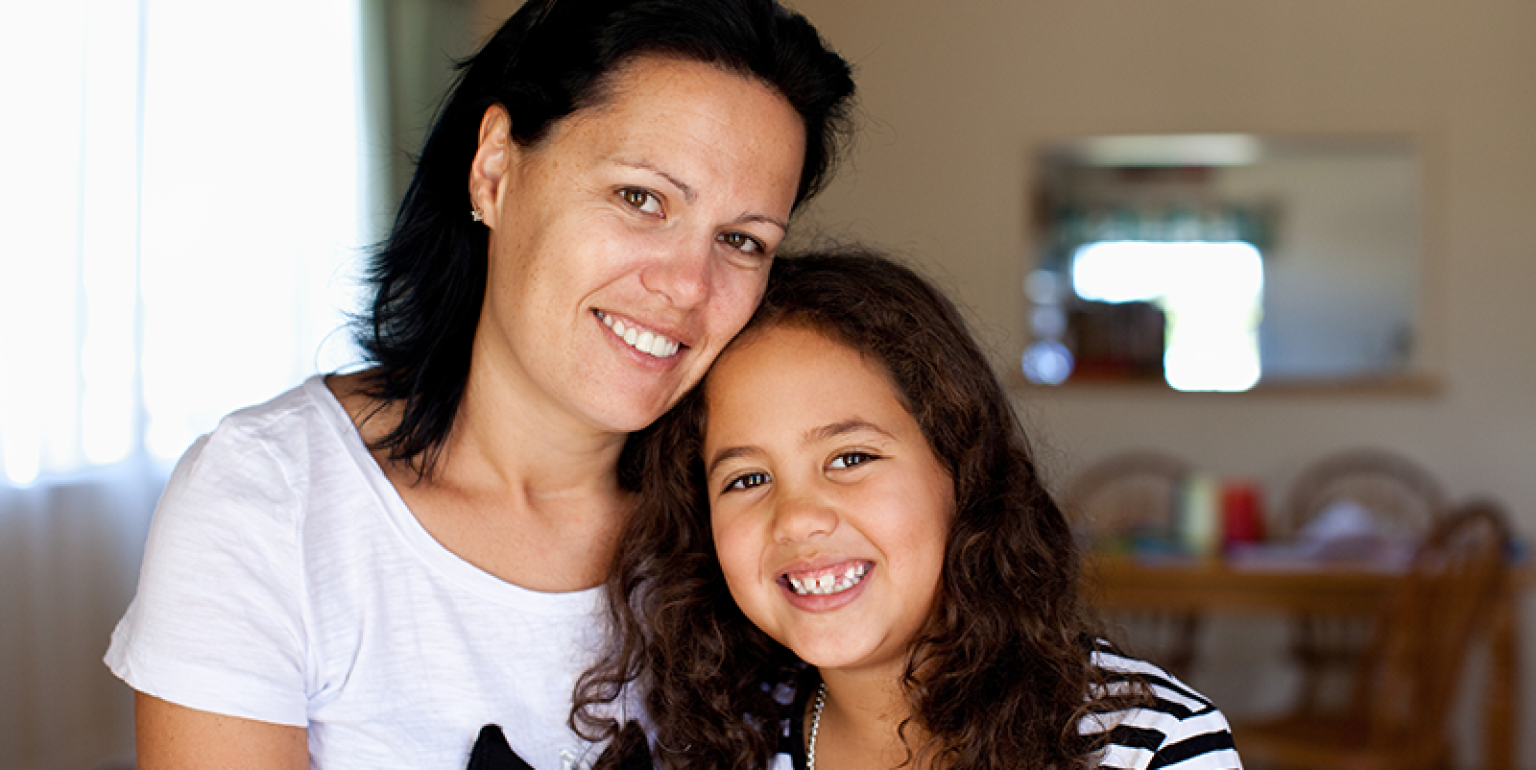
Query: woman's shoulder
x=306 y=406
x=267 y=455
x=355 y=394
x=310 y=409
x=1175 y=725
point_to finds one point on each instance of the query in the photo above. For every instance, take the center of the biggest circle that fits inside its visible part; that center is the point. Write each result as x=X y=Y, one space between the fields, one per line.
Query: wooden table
x=1204 y=587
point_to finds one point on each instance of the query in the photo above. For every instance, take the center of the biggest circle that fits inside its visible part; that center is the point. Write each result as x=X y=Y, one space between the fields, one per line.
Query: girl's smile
x=826 y=589
x=830 y=511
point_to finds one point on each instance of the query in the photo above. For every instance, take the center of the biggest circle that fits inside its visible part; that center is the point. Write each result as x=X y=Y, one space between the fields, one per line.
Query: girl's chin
x=831 y=655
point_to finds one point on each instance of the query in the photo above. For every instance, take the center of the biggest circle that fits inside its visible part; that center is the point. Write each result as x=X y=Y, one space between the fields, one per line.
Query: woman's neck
x=532 y=505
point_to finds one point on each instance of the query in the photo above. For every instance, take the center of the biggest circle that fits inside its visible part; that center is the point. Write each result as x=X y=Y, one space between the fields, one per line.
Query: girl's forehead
x=771 y=344
x=787 y=343
x=795 y=370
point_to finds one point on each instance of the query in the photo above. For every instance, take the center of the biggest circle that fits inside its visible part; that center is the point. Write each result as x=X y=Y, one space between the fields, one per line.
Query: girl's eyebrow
x=729 y=453
x=843 y=428
x=822 y=433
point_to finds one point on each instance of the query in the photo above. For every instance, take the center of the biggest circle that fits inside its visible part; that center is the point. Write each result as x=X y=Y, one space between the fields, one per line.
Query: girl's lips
x=827 y=580
x=826 y=588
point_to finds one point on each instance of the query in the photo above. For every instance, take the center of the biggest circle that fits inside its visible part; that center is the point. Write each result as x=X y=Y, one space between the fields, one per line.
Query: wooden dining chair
x=1403 y=499
x=1126 y=498
x=1126 y=501
x=1405 y=684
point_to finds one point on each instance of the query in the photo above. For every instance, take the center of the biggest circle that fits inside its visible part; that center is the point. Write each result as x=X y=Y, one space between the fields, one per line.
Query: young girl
x=850 y=489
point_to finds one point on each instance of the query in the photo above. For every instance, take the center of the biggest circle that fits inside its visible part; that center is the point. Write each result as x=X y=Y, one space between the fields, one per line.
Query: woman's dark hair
x=550 y=59
x=1001 y=674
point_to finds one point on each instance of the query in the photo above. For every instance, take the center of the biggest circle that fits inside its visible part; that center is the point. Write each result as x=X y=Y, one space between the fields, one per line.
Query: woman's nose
x=802 y=517
x=680 y=271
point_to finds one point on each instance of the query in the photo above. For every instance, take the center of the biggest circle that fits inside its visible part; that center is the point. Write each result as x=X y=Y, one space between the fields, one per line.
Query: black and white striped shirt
x=1181 y=730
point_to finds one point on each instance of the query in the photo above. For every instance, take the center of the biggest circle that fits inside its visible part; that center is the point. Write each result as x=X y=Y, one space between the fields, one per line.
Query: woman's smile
x=651 y=343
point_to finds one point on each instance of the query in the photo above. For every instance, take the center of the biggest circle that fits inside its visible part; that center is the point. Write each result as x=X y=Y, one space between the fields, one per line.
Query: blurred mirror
x=1223 y=262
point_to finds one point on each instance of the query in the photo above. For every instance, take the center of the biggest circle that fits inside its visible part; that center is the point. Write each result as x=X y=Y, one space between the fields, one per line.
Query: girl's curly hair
x=1000 y=676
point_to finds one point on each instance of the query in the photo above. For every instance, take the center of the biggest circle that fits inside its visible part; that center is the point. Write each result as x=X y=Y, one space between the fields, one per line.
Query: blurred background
x=191 y=187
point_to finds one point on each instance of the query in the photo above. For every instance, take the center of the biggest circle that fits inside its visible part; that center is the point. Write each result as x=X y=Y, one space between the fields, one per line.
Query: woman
x=368 y=569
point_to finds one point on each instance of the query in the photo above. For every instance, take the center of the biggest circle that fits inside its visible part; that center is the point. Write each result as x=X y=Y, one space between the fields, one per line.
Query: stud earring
x=475 y=215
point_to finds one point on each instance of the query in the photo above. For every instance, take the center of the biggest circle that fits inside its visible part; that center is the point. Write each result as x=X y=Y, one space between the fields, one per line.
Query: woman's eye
x=742 y=242
x=850 y=459
x=747 y=481
x=643 y=200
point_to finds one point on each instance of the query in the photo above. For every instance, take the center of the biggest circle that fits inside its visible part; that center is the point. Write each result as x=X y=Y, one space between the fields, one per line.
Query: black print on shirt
x=630 y=751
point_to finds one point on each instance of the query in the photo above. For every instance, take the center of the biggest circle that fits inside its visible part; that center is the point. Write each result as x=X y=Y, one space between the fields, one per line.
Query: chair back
x=1130 y=500
x=1125 y=496
x=1413 y=668
x=1403 y=497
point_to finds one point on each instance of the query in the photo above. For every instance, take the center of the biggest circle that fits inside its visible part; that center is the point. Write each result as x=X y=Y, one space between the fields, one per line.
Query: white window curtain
x=185 y=199
x=184 y=207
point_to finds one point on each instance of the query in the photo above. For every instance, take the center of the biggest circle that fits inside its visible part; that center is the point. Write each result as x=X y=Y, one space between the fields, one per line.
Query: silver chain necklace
x=810 y=746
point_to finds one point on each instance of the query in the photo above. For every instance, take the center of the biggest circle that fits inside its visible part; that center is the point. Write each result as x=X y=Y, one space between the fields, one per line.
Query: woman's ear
x=494 y=157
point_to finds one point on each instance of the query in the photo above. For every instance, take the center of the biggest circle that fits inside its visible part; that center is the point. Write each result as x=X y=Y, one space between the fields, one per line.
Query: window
x=184 y=204
x=1209 y=292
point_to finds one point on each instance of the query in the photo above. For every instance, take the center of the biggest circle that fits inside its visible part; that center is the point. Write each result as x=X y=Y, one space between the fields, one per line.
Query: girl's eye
x=747 y=481
x=742 y=242
x=850 y=459
x=643 y=200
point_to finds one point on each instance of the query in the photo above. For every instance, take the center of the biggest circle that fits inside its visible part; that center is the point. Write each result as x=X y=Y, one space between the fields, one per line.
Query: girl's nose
x=679 y=270
x=802 y=517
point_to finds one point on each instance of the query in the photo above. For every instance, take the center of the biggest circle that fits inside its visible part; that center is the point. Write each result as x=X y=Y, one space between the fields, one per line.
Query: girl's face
x=630 y=244
x=830 y=511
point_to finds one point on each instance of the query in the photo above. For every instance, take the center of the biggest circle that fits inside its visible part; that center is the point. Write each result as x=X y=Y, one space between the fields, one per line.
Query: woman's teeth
x=643 y=341
x=828 y=582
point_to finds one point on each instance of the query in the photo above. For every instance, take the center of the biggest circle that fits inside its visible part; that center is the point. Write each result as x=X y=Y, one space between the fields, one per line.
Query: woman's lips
x=646 y=341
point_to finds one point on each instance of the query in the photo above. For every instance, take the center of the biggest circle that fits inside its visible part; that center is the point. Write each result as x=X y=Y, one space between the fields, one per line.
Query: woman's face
x=830 y=511
x=630 y=244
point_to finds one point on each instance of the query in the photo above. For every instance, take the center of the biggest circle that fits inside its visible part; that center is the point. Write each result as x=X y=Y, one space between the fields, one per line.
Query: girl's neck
x=861 y=722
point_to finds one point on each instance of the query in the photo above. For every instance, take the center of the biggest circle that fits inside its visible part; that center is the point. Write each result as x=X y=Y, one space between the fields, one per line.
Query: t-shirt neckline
x=437 y=557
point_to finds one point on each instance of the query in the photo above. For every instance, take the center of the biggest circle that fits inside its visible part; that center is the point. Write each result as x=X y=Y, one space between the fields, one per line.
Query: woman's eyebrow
x=765 y=219
x=689 y=194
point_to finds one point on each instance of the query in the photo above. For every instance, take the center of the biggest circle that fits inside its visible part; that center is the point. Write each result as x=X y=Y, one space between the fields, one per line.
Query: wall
x=956 y=95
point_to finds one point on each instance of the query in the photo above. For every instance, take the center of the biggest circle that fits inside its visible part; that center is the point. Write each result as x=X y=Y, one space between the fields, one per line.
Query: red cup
x=1242 y=520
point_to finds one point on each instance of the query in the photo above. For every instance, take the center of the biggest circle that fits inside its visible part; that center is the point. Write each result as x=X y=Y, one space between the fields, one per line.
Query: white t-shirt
x=285 y=581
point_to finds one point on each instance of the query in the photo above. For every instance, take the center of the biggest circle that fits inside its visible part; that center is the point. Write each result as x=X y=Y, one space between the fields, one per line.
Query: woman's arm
x=172 y=737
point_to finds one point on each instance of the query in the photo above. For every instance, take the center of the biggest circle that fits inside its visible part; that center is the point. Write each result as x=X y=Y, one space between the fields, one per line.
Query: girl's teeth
x=829 y=583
